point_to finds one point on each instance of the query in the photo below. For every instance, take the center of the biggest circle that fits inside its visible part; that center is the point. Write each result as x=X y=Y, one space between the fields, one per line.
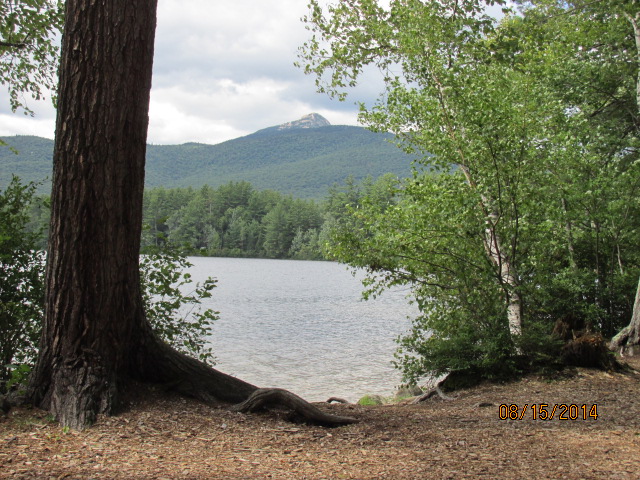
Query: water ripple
x=303 y=326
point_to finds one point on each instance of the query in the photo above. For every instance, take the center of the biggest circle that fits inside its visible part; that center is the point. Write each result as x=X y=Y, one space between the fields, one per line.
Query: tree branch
x=12 y=45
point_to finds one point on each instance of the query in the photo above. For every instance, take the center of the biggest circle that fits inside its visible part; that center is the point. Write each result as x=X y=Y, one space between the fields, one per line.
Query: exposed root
x=94 y=388
x=277 y=397
x=625 y=341
x=588 y=350
x=435 y=390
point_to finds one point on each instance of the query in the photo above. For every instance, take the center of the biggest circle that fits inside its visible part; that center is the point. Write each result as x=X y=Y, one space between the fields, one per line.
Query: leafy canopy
x=532 y=124
x=29 y=50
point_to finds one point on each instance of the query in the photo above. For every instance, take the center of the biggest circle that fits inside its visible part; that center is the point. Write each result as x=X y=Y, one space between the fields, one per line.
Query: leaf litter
x=164 y=436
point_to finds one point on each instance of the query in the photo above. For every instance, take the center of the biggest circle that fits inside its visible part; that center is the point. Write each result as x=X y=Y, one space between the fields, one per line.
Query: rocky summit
x=313 y=120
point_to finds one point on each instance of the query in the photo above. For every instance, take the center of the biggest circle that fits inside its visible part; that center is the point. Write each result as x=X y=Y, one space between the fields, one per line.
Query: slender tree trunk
x=495 y=252
x=634 y=325
x=568 y=227
x=492 y=243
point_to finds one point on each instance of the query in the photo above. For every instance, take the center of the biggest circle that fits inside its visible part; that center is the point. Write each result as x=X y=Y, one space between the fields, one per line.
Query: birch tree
x=536 y=116
x=448 y=99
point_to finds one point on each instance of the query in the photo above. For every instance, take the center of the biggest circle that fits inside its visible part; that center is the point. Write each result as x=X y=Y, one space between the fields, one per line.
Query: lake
x=302 y=325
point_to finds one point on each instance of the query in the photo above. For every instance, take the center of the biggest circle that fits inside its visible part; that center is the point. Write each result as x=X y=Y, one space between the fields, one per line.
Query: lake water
x=302 y=326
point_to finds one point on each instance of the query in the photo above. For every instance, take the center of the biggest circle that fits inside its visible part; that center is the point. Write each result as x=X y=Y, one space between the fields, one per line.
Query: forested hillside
x=303 y=162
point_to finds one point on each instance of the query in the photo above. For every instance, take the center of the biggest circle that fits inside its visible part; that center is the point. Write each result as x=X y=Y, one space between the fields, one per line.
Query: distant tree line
x=237 y=220
x=232 y=220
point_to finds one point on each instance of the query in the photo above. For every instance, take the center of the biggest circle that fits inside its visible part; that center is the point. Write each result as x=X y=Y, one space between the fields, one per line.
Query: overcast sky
x=221 y=70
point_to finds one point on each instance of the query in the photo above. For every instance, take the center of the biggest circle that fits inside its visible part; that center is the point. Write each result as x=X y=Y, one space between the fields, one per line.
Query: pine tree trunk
x=95 y=334
x=96 y=339
x=93 y=306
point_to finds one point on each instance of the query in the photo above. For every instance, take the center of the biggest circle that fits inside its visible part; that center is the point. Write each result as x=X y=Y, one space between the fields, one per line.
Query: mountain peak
x=313 y=120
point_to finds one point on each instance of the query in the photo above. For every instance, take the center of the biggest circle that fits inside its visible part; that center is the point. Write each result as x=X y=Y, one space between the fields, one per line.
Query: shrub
x=174 y=306
x=21 y=282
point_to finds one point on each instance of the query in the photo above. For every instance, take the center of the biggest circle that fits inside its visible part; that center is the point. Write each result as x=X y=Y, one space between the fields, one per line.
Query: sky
x=222 y=70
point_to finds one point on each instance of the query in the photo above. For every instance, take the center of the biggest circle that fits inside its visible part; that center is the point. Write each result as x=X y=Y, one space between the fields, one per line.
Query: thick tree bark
x=93 y=307
x=96 y=338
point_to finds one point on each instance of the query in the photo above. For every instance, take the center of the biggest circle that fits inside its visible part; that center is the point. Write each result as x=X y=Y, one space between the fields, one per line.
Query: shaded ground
x=166 y=437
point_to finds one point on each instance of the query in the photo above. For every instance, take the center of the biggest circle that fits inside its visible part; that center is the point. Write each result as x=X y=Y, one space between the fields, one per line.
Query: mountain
x=313 y=120
x=303 y=158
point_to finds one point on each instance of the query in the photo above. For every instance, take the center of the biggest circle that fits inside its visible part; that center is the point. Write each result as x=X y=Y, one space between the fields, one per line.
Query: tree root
x=625 y=341
x=588 y=350
x=154 y=362
x=434 y=391
x=270 y=397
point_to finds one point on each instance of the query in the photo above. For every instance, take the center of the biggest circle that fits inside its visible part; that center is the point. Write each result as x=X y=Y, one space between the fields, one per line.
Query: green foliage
x=233 y=220
x=371 y=400
x=18 y=376
x=28 y=49
x=21 y=281
x=237 y=220
x=175 y=307
x=418 y=238
x=533 y=123
x=543 y=350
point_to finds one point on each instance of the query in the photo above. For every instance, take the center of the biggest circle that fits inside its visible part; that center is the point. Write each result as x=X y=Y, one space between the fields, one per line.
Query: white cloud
x=42 y=124
x=227 y=69
x=17 y=124
x=221 y=70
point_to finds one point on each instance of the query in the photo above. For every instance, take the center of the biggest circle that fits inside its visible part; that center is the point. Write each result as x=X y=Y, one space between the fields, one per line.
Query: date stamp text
x=543 y=411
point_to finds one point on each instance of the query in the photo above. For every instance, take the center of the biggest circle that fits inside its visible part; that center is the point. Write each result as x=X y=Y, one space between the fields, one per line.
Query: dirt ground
x=167 y=437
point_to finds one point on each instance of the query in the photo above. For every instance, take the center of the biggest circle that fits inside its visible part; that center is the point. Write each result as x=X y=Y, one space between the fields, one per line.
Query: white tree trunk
x=495 y=252
x=629 y=336
x=492 y=242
